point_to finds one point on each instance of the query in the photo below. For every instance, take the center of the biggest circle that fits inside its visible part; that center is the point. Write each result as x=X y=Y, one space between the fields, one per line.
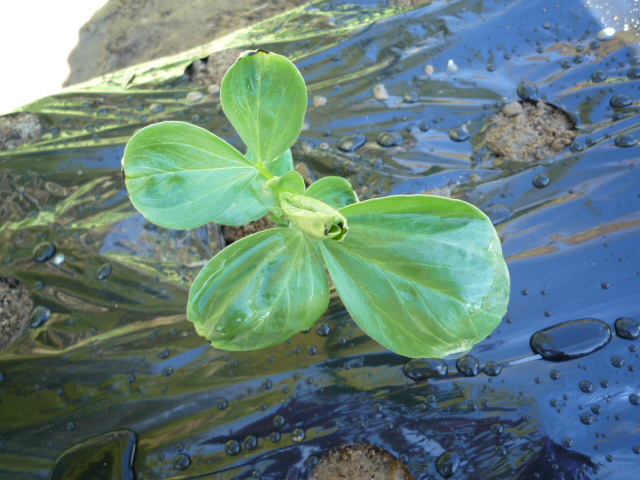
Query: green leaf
x=265 y=98
x=281 y=165
x=317 y=220
x=334 y=191
x=422 y=275
x=259 y=291
x=247 y=206
x=182 y=176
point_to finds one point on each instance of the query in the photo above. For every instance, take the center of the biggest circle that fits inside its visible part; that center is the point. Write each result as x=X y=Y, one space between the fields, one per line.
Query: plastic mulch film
x=402 y=100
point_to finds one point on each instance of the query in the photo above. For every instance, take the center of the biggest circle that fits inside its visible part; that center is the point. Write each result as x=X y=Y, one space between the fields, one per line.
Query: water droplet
x=492 y=369
x=351 y=143
x=567 y=442
x=103 y=272
x=267 y=384
x=617 y=361
x=312 y=350
x=298 y=435
x=634 y=400
x=540 y=180
x=275 y=437
x=411 y=97
x=167 y=371
x=156 y=108
x=597 y=409
x=424 y=126
x=448 y=463
x=459 y=134
x=44 y=251
x=621 y=100
x=421 y=368
x=554 y=374
x=587 y=387
x=572 y=339
x=497 y=428
x=576 y=147
x=164 y=354
x=599 y=76
x=222 y=403
x=501 y=450
x=323 y=329
x=634 y=73
x=232 y=447
x=250 y=442
x=626 y=140
x=278 y=421
x=389 y=139
x=498 y=213
x=627 y=328
x=468 y=366
x=527 y=91
x=587 y=418
x=182 y=461
x=39 y=316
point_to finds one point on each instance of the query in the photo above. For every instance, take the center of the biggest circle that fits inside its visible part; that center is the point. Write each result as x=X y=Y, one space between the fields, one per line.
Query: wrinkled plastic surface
x=118 y=353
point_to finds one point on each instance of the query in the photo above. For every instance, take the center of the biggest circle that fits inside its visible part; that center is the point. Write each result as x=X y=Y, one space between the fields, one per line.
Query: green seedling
x=422 y=275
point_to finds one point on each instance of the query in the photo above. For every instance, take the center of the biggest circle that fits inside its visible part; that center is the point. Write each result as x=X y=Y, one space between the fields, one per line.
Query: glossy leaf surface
x=422 y=275
x=259 y=291
x=336 y=192
x=182 y=176
x=247 y=207
x=265 y=98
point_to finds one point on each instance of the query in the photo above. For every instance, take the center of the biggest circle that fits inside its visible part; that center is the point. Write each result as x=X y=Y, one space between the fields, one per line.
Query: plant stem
x=263 y=171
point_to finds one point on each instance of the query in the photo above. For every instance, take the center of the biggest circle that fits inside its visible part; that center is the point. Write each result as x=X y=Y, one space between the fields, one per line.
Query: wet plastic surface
x=117 y=351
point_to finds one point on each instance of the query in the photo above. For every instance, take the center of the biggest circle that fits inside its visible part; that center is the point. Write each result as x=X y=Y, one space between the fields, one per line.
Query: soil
x=206 y=73
x=124 y=33
x=18 y=129
x=233 y=234
x=528 y=131
x=15 y=309
x=360 y=461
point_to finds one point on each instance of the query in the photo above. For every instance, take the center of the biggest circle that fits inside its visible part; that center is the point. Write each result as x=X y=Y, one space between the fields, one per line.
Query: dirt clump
x=15 y=310
x=360 y=461
x=528 y=131
x=19 y=128
x=209 y=71
x=233 y=234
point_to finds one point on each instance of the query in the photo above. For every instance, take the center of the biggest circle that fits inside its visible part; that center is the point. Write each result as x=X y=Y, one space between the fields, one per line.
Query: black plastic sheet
x=118 y=353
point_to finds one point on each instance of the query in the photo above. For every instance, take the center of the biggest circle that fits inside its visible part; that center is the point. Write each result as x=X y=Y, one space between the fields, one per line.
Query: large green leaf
x=247 y=207
x=422 y=275
x=259 y=291
x=182 y=176
x=336 y=192
x=264 y=97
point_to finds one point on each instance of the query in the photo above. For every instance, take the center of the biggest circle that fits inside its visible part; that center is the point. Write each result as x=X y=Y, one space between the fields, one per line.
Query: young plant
x=423 y=275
